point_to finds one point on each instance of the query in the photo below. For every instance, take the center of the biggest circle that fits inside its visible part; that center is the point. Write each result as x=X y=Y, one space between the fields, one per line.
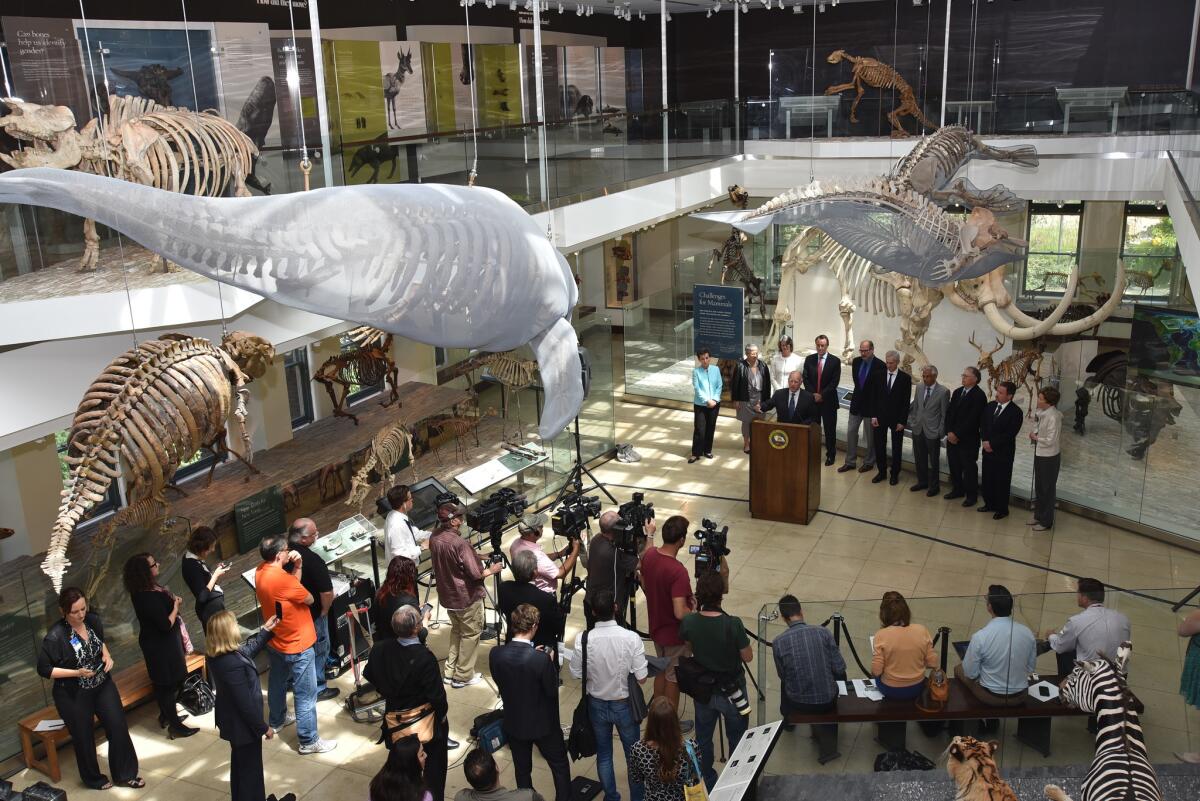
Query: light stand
x=574 y=482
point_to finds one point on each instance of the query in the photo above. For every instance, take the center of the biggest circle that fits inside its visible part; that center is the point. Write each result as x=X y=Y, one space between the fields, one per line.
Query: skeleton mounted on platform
x=367 y=364
x=1021 y=367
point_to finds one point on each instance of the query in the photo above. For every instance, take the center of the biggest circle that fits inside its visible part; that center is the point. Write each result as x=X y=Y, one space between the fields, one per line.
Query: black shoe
x=953 y=496
x=327 y=693
x=846 y=468
x=163 y=722
x=829 y=461
x=176 y=730
x=451 y=744
x=894 y=480
x=969 y=502
x=879 y=477
x=1000 y=515
x=985 y=508
x=708 y=456
x=933 y=491
x=918 y=487
x=829 y=757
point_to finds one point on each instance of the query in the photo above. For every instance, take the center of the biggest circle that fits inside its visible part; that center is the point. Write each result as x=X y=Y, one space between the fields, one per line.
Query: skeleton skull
x=251 y=353
x=50 y=130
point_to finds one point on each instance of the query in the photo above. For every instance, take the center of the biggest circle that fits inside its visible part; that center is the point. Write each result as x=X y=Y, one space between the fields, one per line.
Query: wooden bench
x=134 y=686
x=1033 y=716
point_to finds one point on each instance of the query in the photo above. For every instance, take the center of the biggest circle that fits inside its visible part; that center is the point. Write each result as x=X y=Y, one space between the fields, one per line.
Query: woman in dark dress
x=74 y=655
x=239 y=712
x=162 y=637
x=210 y=598
x=398 y=589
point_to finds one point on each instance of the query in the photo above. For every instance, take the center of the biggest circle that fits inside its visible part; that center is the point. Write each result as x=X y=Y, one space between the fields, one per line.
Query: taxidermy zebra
x=1121 y=769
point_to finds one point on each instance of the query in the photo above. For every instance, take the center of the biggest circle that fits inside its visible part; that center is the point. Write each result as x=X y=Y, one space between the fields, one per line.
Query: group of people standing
x=883 y=405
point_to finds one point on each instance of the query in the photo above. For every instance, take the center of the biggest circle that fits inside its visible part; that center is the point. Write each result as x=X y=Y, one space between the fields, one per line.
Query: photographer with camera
x=401 y=537
x=459 y=573
x=668 y=600
x=611 y=567
x=546 y=577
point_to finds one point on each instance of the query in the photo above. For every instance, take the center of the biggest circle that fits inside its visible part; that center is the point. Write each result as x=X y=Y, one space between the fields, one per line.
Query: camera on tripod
x=714 y=545
x=570 y=520
x=493 y=512
x=630 y=534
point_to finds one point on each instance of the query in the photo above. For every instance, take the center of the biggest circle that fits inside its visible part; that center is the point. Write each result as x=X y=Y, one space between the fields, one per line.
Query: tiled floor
x=843 y=561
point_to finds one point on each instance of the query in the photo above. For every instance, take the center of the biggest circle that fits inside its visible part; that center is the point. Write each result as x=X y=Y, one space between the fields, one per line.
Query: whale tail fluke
x=557 y=352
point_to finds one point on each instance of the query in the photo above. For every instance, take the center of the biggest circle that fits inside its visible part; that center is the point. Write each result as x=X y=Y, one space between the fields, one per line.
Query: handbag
x=937 y=692
x=196 y=696
x=697 y=791
x=698 y=681
x=581 y=742
x=401 y=723
x=637 y=701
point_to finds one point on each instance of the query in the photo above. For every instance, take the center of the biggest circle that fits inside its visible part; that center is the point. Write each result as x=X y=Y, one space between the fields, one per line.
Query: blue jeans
x=707 y=715
x=299 y=668
x=605 y=715
x=321 y=650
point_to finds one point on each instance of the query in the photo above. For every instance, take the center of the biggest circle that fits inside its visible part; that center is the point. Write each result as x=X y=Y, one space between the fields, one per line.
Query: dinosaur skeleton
x=369 y=363
x=175 y=149
x=870 y=72
x=387 y=448
x=153 y=407
x=1023 y=368
x=733 y=260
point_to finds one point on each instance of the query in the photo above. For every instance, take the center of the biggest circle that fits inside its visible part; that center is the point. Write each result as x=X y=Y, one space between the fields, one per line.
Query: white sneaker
x=476 y=679
x=447 y=680
x=318 y=747
x=288 y=720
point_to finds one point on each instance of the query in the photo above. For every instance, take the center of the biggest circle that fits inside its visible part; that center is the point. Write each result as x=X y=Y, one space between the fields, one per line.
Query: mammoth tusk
x=1092 y=320
x=1013 y=327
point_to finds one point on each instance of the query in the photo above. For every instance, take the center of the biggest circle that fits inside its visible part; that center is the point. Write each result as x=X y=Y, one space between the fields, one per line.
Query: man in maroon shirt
x=668 y=589
x=459 y=573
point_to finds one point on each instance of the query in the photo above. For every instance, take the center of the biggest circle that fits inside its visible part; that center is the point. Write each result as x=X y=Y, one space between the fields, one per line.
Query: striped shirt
x=807 y=659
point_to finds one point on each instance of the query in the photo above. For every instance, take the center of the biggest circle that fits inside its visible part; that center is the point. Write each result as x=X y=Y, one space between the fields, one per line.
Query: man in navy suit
x=891 y=417
x=963 y=417
x=1001 y=422
x=868 y=385
x=822 y=372
x=528 y=685
x=794 y=404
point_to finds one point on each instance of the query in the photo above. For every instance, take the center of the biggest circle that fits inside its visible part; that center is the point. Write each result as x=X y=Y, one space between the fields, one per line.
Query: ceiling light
x=821 y=8
x=797 y=9
x=560 y=8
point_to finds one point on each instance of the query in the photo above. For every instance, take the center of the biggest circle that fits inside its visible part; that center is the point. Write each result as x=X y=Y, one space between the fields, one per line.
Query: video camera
x=714 y=546
x=571 y=518
x=445 y=497
x=493 y=512
x=631 y=532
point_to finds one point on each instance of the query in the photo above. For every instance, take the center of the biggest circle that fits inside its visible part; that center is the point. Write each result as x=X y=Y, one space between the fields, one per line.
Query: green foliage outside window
x=1151 y=254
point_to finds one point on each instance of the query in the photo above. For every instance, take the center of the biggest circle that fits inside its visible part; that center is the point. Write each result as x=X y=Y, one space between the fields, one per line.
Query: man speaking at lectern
x=794 y=404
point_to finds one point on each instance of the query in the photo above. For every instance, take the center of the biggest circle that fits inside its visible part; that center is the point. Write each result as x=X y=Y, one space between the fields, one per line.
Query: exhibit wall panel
x=402 y=84
x=270 y=419
x=40 y=486
x=14 y=510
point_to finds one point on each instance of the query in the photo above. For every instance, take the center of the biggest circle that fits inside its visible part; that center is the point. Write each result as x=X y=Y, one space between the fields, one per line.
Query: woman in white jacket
x=1046 y=458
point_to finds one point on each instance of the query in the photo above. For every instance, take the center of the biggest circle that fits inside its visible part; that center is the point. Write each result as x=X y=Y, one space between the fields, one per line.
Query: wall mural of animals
x=375 y=155
x=392 y=83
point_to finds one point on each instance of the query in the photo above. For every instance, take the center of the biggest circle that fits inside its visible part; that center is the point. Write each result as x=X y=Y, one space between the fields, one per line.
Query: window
x=199 y=461
x=1053 y=246
x=1151 y=252
x=112 y=498
x=299 y=387
x=358 y=391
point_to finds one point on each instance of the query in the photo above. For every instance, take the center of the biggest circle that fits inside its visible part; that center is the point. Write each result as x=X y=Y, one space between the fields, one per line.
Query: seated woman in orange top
x=903 y=650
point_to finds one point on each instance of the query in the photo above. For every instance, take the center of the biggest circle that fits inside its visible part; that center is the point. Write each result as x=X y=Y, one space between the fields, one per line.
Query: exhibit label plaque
x=257 y=516
x=718 y=320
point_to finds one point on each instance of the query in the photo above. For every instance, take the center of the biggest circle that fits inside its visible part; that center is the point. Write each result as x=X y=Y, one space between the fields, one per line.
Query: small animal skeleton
x=738 y=196
x=367 y=364
x=387 y=448
x=733 y=260
x=459 y=427
x=1144 y=279
x=153 y=407
x=869 y=72
x=1023 y=368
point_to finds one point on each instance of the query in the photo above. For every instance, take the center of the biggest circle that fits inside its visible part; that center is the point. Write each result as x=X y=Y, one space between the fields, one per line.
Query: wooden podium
x=785 y=471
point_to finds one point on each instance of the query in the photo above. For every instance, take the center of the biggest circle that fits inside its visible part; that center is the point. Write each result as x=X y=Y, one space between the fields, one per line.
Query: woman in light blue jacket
x=706 y=387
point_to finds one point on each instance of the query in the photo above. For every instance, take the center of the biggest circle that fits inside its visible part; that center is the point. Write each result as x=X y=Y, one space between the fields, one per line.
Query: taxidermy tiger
x=976 y=777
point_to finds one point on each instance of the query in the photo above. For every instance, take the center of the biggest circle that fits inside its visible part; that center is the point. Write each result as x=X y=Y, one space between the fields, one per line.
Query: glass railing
x=1154 y=672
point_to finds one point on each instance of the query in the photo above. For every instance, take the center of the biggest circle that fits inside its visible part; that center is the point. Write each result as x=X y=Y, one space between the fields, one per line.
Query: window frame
x=1033 y=210
x=1135 y=209
x=301 y=366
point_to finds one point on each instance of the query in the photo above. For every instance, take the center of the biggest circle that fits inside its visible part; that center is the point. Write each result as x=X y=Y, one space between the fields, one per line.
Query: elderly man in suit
x=891 y=418
x=868 y=372
x=822 y=372
x=1001 y=422
x=793 y=404
x=927 y=421
x=963 y=417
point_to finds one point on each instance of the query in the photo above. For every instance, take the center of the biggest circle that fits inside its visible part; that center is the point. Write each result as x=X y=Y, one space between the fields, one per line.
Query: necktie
x=820 y=365
x=862 y=372
x=792 y=406
x=891 y=378
x=999 y=409
x=928 y=392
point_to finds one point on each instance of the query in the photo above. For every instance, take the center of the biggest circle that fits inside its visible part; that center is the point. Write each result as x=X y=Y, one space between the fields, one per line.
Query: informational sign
x=46 y=65
x=718 y=320
x=257 y=516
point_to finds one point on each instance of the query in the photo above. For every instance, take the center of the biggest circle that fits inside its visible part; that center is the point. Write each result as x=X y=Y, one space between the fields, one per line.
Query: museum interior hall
x=848 y=349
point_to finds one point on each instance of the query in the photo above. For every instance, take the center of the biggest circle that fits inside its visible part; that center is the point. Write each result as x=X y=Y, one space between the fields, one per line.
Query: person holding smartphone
x=210 y=598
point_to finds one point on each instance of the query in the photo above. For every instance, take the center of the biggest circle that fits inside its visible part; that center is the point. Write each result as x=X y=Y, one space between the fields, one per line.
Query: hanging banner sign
x=718 y=320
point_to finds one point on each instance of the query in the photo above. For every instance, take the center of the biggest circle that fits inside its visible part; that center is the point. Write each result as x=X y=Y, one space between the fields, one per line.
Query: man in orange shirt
x=291 y=653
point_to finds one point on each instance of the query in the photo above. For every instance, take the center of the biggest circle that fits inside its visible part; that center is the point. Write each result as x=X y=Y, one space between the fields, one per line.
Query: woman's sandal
x=136 y=783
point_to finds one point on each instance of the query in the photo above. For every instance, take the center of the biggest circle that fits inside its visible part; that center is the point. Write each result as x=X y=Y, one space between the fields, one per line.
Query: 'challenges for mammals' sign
x=718 y=320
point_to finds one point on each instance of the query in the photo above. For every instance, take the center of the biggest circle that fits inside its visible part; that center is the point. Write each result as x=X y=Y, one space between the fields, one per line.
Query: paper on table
x=865 y=688
x=50 y=724
x=1044 y=691
x=842 y=688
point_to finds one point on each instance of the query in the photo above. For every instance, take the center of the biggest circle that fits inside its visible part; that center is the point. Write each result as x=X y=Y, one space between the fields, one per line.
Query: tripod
x=491 y=631
x=574 y=482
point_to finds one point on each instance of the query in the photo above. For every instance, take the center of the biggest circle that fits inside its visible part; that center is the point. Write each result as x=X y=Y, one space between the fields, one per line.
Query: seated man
x=809 y=665
x=1094 y=631
x=484 y=778
x=1001 y=655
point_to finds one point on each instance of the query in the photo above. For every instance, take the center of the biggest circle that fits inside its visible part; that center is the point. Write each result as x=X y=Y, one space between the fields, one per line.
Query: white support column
x=945 y=64
x=540 y=98
x=314 y=24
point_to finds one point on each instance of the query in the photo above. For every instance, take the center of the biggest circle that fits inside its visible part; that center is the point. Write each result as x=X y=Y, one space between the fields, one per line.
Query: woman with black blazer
x=210 y=598
x=399 y=589
x=74 y=655
x=751 y=386
x=162 y=637
x=239 y=714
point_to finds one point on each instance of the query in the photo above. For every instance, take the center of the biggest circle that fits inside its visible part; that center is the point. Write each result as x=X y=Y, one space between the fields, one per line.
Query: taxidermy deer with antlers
x=1023 y=368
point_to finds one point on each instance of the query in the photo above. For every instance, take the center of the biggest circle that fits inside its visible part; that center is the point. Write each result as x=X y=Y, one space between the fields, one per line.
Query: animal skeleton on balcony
x=733 y=260
x=1021 y=367
x=153 y=407
x=387 y=448
x=459 y=427
x=877 y=75
x=176 y=149
x=367 y=364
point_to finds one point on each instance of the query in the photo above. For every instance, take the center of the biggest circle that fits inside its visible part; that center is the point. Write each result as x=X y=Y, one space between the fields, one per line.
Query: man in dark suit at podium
x=868 y=372
x=891 y=417
x=794 y=404
x=1001 y=421
x=822 y=372
x=962 y=437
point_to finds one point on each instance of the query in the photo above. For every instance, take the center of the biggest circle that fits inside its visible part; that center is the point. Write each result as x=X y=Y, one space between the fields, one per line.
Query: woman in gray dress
x=751 y=385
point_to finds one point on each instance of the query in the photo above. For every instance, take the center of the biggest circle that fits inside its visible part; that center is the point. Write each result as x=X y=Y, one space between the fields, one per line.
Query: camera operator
x=401 y=537
x=669 y=599
x=548 y=572
x=610 y=568
x=459 y=573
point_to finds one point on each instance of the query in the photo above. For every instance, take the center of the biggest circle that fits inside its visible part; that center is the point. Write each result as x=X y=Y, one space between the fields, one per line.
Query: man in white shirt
x=613 y=652
x=549 y=570
x=1094 y=631
x=401 y=537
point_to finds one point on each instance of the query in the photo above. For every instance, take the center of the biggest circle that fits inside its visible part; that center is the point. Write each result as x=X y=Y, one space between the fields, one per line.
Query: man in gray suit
x=927 y=421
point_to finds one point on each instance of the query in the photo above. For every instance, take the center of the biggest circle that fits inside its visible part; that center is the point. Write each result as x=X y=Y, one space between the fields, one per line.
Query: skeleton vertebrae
x=387 y=448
